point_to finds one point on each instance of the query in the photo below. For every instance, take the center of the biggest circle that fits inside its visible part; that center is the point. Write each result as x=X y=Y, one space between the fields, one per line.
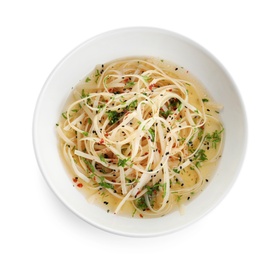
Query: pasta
x=140 y=134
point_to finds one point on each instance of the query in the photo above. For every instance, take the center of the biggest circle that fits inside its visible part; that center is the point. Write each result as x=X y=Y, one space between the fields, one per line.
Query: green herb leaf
x=97 y=75
x=152 y=133
x=85 y=133
x=84 y=95
x=100 y=107
x=141 y=203
x=114 y=116
x=64 y=115
x=105 y=184
x=133 y=105
x=164 y=189
x=214 y=138
x=123 y=162
x=199 y=157
x=129 y=84
x=146 y=77
x=165 y=114
x=89 y=121
x=89 y=165
x=102 y=158
x=178 y=198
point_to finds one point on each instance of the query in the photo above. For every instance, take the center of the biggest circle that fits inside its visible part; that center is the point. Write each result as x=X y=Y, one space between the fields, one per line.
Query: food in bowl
x=140 y=136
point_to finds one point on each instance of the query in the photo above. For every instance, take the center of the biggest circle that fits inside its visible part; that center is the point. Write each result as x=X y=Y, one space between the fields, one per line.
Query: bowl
x=139 y=41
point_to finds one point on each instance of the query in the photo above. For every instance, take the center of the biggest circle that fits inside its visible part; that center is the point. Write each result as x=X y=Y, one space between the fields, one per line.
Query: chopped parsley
x=89 y=165
x=146 y=77
x=64 y=115
x=141 y=203
x=84 y=95
x=97 y=75
x=214 y=138
x=114 y=116
x=133 y=105
x=105 y=184
x=199 y=157
x=165 y=114
x=152 y=133
x=102 y=158
x=85 y=133
x=123 y=162
x=129 y=84
x=176 y=170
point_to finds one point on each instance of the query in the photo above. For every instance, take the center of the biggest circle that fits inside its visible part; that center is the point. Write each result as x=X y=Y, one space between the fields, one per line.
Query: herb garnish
x=105 y=184
x=123 y=162
x=114 y=116
x=214 y=138
x=199 y=157
x=152 y=133
x=97 y=75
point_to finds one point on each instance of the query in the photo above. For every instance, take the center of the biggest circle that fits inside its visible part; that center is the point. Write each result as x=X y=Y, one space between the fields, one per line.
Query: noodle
x=140 y=132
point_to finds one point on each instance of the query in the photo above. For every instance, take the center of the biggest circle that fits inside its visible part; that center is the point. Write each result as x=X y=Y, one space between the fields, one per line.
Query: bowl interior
x=138 y=42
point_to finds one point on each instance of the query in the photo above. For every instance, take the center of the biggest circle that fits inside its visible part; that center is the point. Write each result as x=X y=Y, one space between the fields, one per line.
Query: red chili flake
x=151 y=86
x=75 y=179
x=106 y=134
x=146 y=153
x=141 y=216
x=102 y=141
x=80 y=185
x=170 y=90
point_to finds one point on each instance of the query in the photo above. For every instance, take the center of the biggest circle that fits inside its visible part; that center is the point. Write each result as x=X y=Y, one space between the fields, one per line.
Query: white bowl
x=139 y=42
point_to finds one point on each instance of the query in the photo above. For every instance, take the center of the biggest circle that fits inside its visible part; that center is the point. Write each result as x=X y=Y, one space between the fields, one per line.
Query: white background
x=36 y=35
